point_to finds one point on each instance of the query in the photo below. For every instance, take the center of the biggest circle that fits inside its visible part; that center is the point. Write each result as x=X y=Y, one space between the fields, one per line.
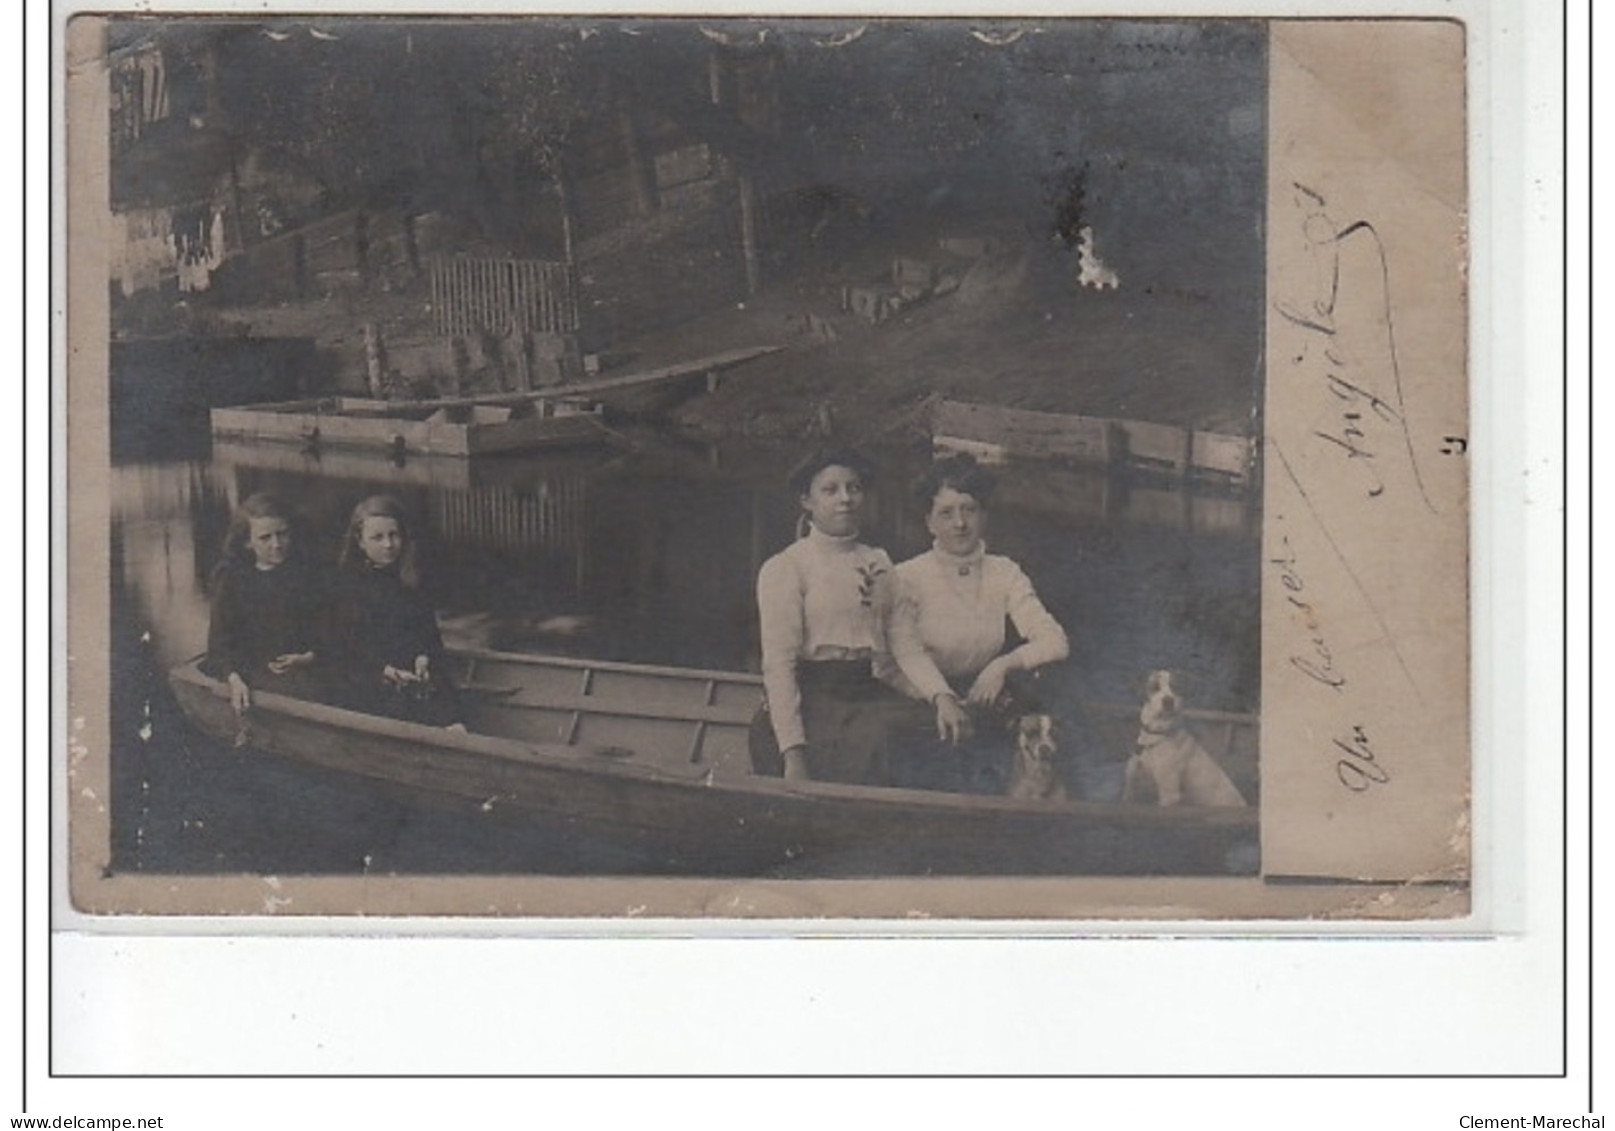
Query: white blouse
x=821 y=598
x=948 y=621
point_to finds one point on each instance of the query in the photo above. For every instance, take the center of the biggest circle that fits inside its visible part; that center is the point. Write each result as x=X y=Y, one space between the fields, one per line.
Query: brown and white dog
x=1034 y=776
x=1169 y=762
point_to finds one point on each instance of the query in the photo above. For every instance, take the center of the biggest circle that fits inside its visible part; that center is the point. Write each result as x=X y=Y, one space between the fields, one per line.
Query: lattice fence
x=475 y=296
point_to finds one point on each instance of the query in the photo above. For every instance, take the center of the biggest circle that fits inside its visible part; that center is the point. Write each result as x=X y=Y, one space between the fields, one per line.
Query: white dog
x=1169 y=762
x=1034 y=775
x=1091 y=270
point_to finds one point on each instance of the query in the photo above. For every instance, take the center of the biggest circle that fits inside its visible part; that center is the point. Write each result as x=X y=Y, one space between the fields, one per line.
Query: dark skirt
x=850 y=719
x=434 y=704
x=979 y=764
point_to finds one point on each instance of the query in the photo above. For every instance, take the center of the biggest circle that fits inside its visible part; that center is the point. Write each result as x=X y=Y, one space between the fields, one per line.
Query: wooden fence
x=528 y=296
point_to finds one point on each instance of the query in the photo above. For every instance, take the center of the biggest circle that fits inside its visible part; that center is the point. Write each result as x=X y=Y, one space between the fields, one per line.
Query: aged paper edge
x=989 y=899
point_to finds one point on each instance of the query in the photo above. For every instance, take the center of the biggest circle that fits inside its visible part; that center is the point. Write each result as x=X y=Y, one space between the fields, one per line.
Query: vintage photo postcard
x=805 y=468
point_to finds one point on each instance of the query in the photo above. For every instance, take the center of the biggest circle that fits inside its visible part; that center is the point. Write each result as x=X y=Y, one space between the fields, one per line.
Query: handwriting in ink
x=1344 y=559
x=1317 y=662
x=1356 y=425
x=1356 y=765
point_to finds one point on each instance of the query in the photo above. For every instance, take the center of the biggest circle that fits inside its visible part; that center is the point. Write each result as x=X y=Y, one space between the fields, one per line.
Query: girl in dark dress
x=387 y=646
x=266 y=607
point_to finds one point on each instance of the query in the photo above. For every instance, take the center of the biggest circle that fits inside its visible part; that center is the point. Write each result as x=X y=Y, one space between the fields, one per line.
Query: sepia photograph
x=786 y=450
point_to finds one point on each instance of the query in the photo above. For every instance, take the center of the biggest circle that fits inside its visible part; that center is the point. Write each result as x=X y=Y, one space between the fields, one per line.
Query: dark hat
x=802 y=474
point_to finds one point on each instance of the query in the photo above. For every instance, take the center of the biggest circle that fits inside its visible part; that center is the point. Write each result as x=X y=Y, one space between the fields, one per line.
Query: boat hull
x=678 y=816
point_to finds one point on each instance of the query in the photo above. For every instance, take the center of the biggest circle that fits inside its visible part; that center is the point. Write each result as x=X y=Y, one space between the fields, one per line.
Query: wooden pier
x=994 y=434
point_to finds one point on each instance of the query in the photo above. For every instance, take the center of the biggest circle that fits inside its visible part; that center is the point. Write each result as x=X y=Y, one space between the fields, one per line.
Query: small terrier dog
x=1034 y=776
x=1169 y=762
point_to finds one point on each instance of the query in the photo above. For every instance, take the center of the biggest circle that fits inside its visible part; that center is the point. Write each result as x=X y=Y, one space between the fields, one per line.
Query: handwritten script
x=1347 y=344
x=1317 y=662
x=1356 y=765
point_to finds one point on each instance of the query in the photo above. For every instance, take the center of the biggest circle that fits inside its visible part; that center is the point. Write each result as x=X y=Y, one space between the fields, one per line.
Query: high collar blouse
x=948 y=621
x=821 y=598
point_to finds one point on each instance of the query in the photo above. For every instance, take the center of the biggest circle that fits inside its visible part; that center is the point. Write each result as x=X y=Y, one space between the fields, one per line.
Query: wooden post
x=564 y=196
x=375 y=360
x=412 y=245
x=748 y=233
x=639 y=178
x=299 y=265
x=523 y=343
x=715 y=78
x=235 y=205
x=361 y=247
x=461 y=355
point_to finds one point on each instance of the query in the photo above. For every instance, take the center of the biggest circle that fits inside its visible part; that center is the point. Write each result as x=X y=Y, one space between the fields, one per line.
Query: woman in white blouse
x=822 y=604
x=947 y=634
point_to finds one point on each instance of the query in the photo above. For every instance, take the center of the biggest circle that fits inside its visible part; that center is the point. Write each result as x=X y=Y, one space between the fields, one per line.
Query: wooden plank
x=682 y=676
x=384 y=427
x=342 y=462
x=1161 y=447
x=994 y=434
x=584 y=389
x=1023 y=433
x=1221 y=456
x=675 y=716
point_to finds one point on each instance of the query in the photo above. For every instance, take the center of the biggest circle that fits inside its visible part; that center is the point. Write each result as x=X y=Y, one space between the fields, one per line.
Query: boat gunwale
x=579 y=760
x=627 y=667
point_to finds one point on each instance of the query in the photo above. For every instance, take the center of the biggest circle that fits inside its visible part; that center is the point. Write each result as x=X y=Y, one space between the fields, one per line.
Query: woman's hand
x=421 y=673
x=240 y=696
x=989 y=684
x=796 y=764
x=282 y=664
x=952 y=720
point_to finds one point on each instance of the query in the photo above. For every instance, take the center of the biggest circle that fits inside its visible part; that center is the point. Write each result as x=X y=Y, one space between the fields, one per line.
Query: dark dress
x=378 y=622
x=259 y=614
x=980 y=763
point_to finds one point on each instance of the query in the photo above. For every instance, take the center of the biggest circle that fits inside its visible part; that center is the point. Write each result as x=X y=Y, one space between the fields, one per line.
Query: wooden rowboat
x=654 y=760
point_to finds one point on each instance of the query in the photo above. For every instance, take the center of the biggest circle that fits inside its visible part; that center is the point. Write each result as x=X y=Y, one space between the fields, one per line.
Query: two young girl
x=365 y=638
